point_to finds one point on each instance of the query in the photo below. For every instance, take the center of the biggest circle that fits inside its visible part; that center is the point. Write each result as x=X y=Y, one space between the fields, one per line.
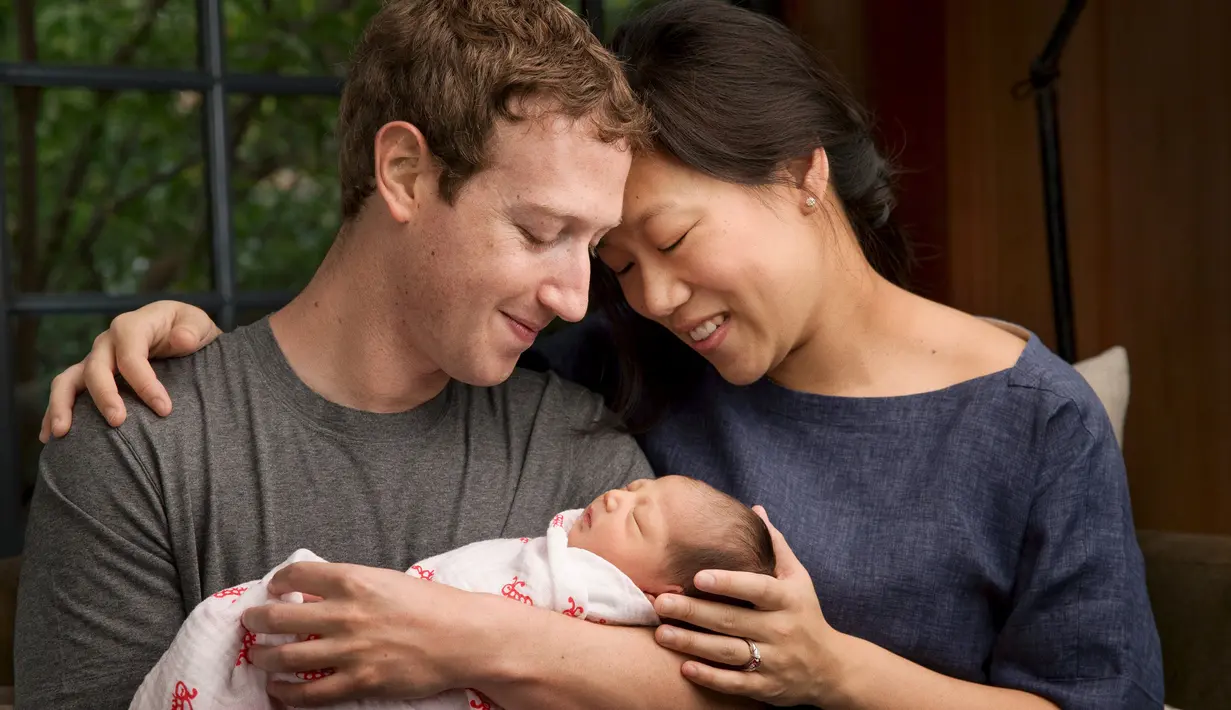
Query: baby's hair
x=735 y=539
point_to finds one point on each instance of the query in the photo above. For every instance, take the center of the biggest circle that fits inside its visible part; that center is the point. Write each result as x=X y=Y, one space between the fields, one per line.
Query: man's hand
x=382 y=634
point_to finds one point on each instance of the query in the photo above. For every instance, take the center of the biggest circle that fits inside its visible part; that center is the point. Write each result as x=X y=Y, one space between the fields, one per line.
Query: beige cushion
x=1108 y=375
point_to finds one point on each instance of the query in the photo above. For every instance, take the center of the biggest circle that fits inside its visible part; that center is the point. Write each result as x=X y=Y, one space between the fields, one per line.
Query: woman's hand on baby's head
x=798 y=647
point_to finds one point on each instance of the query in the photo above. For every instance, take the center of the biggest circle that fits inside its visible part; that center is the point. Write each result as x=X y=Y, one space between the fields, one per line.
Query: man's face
x=486 y=274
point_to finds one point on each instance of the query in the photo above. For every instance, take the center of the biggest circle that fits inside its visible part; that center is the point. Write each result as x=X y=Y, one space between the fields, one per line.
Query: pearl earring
x=810 y=202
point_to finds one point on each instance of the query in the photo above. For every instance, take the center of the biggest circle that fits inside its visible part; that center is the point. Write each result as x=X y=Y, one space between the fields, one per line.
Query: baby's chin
x=582 y=540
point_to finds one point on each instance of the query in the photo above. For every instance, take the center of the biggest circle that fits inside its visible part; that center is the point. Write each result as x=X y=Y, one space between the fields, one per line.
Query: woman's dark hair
x=737 y=96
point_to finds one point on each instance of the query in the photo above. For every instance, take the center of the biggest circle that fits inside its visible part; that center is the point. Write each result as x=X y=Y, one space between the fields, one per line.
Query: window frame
x=224 y=300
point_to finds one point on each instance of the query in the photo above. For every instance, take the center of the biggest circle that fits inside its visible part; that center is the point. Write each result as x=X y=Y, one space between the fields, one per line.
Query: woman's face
x=733 y=272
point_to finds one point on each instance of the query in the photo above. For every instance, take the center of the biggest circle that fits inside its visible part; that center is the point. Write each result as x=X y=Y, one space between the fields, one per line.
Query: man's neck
x=342 y=336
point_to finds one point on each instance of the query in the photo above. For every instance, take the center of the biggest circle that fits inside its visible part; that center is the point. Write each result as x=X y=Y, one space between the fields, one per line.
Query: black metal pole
x=1057 y=230
x=1043 y=73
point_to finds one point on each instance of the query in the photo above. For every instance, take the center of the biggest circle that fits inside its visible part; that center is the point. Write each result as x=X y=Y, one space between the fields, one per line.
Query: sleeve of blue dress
x=1080 y=630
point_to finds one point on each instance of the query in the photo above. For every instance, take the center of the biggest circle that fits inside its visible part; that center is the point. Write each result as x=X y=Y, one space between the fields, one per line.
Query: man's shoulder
x=224 y=370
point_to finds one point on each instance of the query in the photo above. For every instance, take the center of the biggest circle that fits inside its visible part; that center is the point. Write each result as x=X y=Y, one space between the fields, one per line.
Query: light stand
x=1043 y=73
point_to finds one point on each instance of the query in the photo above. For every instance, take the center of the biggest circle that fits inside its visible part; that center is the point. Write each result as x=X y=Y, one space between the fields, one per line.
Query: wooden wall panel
x=1145 y=146
x=1168 y=85
x=1145 y=101
x=835 y=29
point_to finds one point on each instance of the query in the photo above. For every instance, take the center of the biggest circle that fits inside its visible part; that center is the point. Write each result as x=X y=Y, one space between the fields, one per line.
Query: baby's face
x=634 y=527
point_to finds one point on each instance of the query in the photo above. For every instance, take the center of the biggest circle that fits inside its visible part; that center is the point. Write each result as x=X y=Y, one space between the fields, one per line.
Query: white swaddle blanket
x=207 y=665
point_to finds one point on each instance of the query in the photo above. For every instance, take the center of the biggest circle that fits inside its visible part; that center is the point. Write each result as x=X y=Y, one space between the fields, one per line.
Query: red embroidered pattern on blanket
x=510 y=590
x=427 y=574
x=573 y=610
x=248 y=642
x=558 y=521
x=481 y=701
x=181 y=699
x=236 y=592
x=317 y=674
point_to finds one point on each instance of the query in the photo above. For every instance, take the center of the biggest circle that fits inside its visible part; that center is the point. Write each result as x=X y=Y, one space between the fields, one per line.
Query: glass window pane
x=42 y=348
x=153 y=33
x=285 y=186
x=105 y=191
x=302 y=37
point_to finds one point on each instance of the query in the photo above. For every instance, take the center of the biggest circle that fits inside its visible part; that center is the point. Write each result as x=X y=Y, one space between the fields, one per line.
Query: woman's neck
x=871 y=338
x=851 y=333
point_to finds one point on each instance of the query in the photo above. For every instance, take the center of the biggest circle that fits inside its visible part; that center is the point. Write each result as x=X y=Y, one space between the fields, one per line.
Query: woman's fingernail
x=666 y=604
x=666 y=634
x=690 y=669
x=112 y=414
x=57 y=425
x=160 y=405
x=705 y=580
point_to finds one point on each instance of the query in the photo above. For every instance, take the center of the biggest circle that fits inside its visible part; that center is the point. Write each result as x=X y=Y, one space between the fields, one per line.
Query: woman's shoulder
x=1035 y=379
x=1062 y=394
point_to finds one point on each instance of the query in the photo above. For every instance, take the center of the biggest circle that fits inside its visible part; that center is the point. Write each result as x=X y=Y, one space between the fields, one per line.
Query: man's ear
x=402 y=164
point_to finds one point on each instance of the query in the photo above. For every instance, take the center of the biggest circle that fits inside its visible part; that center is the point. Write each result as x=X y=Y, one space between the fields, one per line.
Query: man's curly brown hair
x=453 y=68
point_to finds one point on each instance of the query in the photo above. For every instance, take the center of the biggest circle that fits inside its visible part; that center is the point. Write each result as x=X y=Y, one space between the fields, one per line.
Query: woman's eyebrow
x=653 y=212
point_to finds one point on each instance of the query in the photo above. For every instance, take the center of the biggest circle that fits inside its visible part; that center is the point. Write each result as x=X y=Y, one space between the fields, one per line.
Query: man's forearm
x=872 y=678
x=548 y=660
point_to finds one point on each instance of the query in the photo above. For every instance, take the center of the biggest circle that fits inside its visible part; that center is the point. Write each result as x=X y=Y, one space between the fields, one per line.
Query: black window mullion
x=124 y=78
x=101 y=78
x=211 y=43
x=592 y=10
x=79 y=303
x=11 y=528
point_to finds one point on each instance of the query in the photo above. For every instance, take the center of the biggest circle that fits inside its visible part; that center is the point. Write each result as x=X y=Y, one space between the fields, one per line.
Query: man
x=377 y=418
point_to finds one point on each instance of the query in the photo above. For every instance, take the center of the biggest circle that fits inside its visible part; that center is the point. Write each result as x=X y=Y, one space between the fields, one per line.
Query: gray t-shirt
x=132 y=527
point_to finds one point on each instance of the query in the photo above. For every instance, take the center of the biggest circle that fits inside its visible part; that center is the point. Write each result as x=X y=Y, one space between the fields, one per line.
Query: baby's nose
x=611 y=500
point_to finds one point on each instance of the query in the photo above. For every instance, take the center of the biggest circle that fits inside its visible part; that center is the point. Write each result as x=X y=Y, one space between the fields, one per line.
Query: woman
x=953 y=492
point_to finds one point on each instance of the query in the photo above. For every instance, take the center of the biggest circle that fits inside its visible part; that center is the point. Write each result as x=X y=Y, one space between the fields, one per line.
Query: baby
x=603 y=564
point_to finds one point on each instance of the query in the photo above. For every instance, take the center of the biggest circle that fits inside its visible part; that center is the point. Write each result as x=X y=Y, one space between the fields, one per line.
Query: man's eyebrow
x=564 y=215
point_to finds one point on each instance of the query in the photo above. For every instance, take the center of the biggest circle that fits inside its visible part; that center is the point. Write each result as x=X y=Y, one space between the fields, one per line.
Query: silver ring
x=754 y=660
